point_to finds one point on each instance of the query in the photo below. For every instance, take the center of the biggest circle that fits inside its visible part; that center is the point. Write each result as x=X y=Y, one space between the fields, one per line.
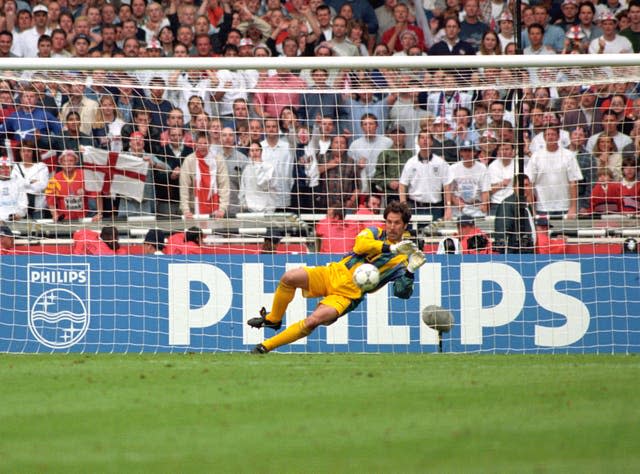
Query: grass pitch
x=319 y=413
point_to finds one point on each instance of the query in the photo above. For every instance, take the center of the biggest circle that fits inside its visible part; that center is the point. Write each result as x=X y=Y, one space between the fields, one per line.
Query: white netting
x=335 y=146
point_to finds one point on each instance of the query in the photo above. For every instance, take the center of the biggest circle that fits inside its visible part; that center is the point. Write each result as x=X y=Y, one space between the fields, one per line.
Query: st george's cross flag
x=113 y=173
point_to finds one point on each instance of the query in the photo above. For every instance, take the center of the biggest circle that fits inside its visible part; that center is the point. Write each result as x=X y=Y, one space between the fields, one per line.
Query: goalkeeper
x=396 y=259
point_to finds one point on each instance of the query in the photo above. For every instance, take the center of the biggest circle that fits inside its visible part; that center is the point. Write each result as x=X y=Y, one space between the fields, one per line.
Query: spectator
x=36 y=176
x=606 y=156
x=610 y=42
x=305 y=173
x=13 y=194
x=610 y=125
x=7 y=240
x=513 y=228
x=318 y=102
x=236 y=162
x=632 y=33
x=501 y=173
x=552 y=35
x=89 y=242
x=587 y=163
x=586 y=15
x=606 y=195
x=569 y=16
x=442 y=145
x=66 y=194
x=365 y=102
x=371 y=206
x=535 y=44
x=472 y=29
x=386 y=180
x=87 y=108
x=276 y=150
x=554 y=173
x=107 y=128
x=269 y=102
x=155 y=20
x=257 y=184
x=59 y=44
x=168 y=181
x=472 y=239
x=147 y=207
x=108 y=46
x=185 y=243
x=6 y=44
x=470 y=185
x=506 y=35
x=140 y=124
x=364 y=151
x=392 y=36
x=338 y=177
x=204 y=182
x=545 y=244
x=362 y=10
x=451 y=45
x=630 y=186
x=29 y=119
x=489 y=44
x=358 y=34
x=153 y=243
x=26 y=43
x=340 y=43
x=335 y=233
x=70 y=139
x=407 y=111
x=424 y=182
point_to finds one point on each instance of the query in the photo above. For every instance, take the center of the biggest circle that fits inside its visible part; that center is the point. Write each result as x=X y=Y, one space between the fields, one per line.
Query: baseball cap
x=466 y=145
x=396 y=128
x=5 y=231
x=408 y=32
x=154 y=44
x=505 y=16
x=543 y=221
x=68 y=152
x=263 y=47
x=575 y=33
x=155 y=237
x=136 y=135
x=440 y=120
x=82 y=36
x=5 y=161
x=40 y=8
x=569 y=2
x=246 y=42
x=607 y=16
x=465 y=219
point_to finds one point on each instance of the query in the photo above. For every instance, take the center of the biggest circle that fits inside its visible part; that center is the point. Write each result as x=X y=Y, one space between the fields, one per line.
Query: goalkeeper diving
x=397 y=261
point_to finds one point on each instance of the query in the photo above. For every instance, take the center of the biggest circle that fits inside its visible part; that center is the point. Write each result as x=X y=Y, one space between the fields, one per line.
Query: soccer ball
x=366 y=276
x=438 y=318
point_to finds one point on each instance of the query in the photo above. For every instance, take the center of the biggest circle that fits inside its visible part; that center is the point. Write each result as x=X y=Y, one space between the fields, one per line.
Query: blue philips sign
x=528 y=304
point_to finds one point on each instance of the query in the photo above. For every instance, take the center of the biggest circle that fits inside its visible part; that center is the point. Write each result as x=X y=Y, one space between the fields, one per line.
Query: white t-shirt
x=369 y=149
x=498 y=172
x=618 y=45
x=425 y=179
x=468 y=184
x=256 y=187
x=550 y=174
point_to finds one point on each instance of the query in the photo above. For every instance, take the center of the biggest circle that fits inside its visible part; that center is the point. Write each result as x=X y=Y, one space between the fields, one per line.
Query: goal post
x=339 y=138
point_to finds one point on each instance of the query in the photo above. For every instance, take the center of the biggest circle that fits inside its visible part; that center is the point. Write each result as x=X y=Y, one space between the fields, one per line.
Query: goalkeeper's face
x=394 y=226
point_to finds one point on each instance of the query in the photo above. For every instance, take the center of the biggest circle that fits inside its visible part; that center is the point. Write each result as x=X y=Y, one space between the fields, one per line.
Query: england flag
x=113 y=173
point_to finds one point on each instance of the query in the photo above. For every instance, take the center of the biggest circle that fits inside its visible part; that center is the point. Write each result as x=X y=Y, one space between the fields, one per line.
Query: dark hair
x=110 y=236
x=400 y=208
x=6 y=33
x=193 y=234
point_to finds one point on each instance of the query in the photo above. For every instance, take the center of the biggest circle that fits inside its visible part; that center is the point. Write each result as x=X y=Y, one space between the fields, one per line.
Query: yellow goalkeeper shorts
x=335 y=283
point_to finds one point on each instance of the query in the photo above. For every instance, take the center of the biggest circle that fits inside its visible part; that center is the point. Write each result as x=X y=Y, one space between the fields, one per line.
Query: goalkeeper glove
x=416 y=260
x=406 y=247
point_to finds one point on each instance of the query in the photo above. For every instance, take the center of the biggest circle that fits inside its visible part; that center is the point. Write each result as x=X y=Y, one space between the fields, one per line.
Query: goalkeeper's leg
x=322 y=315
x=285 y=292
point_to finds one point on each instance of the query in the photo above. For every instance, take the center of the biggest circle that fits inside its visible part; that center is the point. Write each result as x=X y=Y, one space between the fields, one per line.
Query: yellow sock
x=292 y=333
x=283 y=296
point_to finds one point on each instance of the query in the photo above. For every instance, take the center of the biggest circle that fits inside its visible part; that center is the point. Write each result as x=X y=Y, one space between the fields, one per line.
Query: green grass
x=319 y=413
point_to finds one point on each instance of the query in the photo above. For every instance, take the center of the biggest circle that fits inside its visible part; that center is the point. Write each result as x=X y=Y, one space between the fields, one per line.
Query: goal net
x=154 y=206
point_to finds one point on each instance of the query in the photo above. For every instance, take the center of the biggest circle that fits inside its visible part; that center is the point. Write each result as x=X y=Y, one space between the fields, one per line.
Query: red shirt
x=606 y=200
x=87 y=242
x=176 y=245
x=630 y=197
x=546 y=245
x=336 y=235
x=67 y=195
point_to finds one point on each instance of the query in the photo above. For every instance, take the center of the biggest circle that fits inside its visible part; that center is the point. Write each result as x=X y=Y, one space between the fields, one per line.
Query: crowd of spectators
x=218 y=142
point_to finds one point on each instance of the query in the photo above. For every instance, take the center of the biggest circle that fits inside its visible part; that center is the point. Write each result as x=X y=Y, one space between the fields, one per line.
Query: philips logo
x=59 y=303
x=58 y=276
